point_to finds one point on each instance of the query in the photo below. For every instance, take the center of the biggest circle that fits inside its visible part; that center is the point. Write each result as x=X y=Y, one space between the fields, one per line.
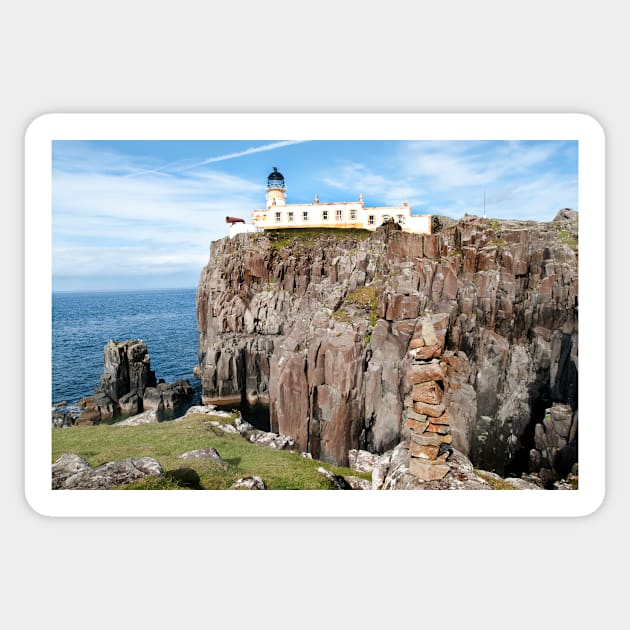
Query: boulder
x=249 y=483
x=272 y=440
x=201 y=453
x=71 y=472
x=146 y=417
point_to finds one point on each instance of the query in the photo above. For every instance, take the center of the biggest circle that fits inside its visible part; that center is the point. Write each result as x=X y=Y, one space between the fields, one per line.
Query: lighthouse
x=276 y=190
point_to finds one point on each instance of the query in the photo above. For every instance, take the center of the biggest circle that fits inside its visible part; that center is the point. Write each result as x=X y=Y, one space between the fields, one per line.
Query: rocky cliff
x=331 y=329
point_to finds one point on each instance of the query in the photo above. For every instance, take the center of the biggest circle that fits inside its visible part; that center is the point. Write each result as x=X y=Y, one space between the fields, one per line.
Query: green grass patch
x=309 y=236
x=341 y=315
x=365 y=298
x=165 y=441
x=497 y=240
x=568 y=239
x=495 y=484
x=494 y=224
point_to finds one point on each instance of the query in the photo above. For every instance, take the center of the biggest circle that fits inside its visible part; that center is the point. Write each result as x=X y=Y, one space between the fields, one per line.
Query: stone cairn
x=426 y=420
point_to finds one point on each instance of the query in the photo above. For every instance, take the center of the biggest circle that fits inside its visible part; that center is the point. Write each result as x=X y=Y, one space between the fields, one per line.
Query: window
x=277 y=217
x=324 y=215
x=353 y=214
x=305 y=215
x=371 y=220
x=385 y=218
x=400 y=218
x=339 y=215
x=290 y=217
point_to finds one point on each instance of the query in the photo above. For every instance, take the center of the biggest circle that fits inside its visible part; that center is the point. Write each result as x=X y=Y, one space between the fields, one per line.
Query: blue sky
x=142 y=214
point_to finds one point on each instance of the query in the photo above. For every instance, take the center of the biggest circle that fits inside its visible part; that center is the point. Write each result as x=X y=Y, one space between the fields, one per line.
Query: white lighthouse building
x=279 y=214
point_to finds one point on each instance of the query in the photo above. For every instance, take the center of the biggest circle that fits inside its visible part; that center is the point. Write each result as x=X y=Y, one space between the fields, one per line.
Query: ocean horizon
x=84 y=321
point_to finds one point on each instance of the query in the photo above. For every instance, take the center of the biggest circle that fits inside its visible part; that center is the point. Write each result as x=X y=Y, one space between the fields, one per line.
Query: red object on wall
x=234 y=220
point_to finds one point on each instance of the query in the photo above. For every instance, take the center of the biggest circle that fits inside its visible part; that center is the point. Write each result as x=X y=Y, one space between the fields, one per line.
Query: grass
x=497 y=240
x=365 y=298
x=308 y=236
x=165 y=441
x=494 y=224
x=341 y=315
x=568 y=239
x=495 y=484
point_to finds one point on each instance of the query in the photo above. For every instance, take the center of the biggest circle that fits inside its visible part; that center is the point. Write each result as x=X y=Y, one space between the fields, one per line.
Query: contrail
x=221 y=158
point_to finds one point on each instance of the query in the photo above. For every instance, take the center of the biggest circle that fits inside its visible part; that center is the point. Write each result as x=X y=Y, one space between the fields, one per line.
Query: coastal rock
x=152 y=399
x=555 y=439
x=126 y=369
x=71 y=472
x=128 y=385
x=130 y=403
x=334 y=333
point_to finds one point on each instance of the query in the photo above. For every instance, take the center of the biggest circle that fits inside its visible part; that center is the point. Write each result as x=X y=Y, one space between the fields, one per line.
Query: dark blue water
x=82 y=323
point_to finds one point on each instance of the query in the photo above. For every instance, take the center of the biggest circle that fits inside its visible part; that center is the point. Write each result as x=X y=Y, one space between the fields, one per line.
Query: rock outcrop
x=71 y=472
x=327 y=331
x=128 y=386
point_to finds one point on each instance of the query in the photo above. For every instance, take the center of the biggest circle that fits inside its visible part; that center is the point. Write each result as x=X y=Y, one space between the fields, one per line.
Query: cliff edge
x=332 y=329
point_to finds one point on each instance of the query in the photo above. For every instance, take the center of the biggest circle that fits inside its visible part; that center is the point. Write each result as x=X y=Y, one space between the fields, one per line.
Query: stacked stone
x=426 y=420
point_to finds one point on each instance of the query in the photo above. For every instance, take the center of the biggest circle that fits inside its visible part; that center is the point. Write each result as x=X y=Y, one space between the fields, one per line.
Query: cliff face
x=325 y=329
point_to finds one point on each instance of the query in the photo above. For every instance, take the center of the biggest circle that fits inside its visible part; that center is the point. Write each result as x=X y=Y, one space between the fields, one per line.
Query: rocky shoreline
x=127 y=387
x=389 y=471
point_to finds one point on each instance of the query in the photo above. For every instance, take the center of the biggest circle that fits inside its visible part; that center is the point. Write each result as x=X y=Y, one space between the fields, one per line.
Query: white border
x=38 y=172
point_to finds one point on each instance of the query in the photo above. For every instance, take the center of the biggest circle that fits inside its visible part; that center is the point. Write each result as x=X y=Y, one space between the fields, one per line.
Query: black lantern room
x=275 y=179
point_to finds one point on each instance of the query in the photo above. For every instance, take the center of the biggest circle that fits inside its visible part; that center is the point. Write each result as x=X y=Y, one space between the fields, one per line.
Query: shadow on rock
x=186 y=478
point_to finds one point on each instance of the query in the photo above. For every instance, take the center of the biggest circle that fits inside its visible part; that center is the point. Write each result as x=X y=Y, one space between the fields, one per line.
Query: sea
x=165 y=319
x=83 y=323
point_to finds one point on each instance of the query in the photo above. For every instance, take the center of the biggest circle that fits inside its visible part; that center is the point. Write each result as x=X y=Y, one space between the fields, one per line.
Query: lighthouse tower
x=276 y=190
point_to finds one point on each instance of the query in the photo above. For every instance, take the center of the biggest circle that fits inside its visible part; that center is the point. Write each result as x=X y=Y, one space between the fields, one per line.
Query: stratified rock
x=335 y=331
x=201 y=453
x=249 y=483
x=71 y=472
x=128 y=385
x=555 y=439
x=126 y=369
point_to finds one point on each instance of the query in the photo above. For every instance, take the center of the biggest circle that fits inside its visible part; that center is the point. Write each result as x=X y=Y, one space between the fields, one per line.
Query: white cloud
x=358 y=177
x=105 y=223
x=462 y=164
